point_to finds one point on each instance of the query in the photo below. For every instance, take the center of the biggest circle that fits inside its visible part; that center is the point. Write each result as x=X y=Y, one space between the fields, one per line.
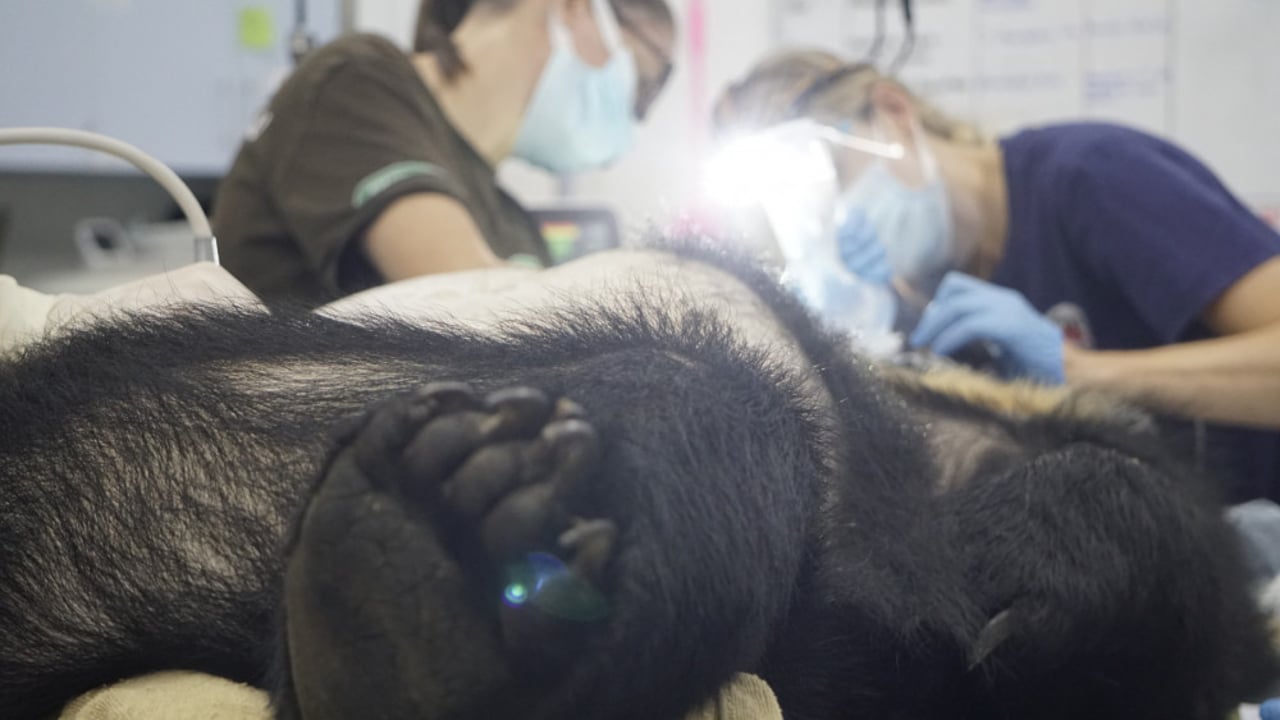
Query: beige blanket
x=27 y=315
x=193 y=696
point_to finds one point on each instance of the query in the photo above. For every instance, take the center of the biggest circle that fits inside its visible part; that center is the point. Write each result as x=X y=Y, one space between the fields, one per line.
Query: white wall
x=393 y=18
x=1228 y=102
x=178 y=79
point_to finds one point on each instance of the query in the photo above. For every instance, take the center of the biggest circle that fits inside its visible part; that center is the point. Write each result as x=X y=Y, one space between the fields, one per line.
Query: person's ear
x=894 y=109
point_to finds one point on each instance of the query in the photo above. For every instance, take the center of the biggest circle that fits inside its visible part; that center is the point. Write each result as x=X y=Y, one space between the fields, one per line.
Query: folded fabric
x=181 y=695
x=27 y=315
x=174 y=695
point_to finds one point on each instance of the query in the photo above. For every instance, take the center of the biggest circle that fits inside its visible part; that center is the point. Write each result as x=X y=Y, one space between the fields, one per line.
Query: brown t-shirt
x=353 y=129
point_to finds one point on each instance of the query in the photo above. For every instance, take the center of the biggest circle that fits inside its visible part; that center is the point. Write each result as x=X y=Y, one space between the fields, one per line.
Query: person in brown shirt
x=372 y=165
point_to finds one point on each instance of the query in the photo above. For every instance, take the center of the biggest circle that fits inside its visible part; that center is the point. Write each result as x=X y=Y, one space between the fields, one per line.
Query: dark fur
x=149 y=467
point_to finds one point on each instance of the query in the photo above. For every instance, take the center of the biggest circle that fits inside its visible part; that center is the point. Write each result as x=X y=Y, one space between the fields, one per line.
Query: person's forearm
x=424 y=234
x=1234 y=380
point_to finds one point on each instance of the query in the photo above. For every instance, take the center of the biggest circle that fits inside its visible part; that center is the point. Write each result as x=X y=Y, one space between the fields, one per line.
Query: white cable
x=206 y=247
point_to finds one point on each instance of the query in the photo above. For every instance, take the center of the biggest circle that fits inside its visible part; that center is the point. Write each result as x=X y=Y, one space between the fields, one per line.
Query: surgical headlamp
x=778 y=162
x=787 y=170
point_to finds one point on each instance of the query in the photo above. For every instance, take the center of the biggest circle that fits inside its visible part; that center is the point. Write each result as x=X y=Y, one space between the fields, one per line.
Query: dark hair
x=437 y=19
x=655 y=11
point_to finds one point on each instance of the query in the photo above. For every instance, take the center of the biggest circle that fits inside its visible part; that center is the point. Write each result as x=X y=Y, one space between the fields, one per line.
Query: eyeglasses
x=648 y=87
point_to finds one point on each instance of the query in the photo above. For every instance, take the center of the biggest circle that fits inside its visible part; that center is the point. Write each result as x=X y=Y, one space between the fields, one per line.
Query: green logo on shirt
x=379 y=180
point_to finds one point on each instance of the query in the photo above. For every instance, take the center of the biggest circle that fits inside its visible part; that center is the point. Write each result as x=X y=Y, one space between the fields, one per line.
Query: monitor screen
x=573 y=232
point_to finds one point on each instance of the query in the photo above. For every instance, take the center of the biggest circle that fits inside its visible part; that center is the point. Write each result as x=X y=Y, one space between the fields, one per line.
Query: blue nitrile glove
x=860 y=249
x=966 y=310
x=1270 y=710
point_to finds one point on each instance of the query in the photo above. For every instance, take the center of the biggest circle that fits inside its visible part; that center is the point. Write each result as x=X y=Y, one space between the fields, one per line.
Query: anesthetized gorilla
x=624 y=505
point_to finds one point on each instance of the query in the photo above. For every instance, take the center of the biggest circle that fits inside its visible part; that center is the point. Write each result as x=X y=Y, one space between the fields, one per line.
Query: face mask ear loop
x=558 y=31
x=928 y=163
x=607 y=24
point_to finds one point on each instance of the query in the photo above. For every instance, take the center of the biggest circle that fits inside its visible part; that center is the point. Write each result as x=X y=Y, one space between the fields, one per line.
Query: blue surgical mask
x=580 y=117
x=913 y=224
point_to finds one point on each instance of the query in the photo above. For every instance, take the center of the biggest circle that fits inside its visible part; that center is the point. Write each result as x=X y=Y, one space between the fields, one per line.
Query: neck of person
x=504 y=56
x=979 y=199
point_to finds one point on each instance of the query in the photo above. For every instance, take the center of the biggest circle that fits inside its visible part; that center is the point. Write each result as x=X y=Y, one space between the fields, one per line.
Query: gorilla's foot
x=486 y=477
x=495 y=471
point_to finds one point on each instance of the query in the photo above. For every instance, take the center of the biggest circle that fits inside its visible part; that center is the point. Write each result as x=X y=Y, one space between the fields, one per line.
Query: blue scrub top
x=1141 y=238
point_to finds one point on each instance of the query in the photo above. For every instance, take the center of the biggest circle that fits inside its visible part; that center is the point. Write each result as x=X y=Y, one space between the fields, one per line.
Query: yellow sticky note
x=256 y=28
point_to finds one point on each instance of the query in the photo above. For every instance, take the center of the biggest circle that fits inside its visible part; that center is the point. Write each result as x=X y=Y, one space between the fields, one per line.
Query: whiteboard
x=178 y=78
x=1205 y=73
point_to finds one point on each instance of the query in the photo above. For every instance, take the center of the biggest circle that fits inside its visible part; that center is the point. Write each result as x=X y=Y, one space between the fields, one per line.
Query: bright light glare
x=516 y=594
x=749 y=169
x=785 y=159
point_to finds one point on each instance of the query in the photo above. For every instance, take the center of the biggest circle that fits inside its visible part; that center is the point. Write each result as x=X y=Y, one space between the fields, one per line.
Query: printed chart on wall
x=1206 y=74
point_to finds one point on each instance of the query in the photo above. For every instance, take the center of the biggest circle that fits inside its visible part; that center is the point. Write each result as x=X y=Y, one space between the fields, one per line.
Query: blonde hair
x=819 y=85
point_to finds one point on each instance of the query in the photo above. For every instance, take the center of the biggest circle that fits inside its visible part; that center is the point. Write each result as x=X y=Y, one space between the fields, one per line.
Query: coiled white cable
x=206 y=246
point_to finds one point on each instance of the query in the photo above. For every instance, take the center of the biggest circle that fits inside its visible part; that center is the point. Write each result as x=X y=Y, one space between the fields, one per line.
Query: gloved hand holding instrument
x=1025 y=344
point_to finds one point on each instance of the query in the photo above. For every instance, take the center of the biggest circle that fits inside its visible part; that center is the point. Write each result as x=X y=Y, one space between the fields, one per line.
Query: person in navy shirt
x=1084 y=253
